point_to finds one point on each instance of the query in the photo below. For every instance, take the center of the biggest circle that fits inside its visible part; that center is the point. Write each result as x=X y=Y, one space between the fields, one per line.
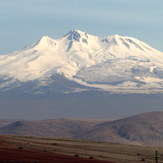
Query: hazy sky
x=23 y=22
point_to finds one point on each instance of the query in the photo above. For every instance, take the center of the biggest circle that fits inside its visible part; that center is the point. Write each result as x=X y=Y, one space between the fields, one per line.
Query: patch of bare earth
x=13 y=153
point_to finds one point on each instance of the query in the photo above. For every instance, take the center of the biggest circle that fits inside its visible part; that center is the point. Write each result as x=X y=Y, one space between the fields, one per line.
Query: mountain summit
x=113 y=63
x=76 y=35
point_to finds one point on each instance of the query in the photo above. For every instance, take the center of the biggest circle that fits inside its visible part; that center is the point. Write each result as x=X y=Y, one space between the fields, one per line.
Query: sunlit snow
x=114 y=63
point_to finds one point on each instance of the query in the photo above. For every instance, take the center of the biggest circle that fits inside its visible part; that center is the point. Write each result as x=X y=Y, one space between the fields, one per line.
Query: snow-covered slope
x=114 y=63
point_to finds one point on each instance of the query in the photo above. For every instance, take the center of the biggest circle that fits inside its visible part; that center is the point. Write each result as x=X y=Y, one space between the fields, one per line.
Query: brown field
x=16 y=149
x=30 y=156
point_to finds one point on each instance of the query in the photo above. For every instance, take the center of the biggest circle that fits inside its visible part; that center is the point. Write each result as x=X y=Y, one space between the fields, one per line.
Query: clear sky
x=23 y=22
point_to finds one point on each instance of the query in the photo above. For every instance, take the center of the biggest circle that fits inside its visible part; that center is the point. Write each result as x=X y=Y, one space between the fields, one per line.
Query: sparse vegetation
x=143 y=129
x=143 y=159
x=117 y=153
x=20 y=147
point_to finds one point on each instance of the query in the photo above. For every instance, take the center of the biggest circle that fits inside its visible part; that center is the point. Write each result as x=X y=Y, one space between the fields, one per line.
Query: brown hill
x=54 y=128
x=5 y=122
x=142 y=129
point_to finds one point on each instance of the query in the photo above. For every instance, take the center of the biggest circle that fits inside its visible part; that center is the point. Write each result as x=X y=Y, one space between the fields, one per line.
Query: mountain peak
x=127 y=42
x=108 y=63
x=45 y=41
x=116 y=37
x=73 y=31
x=76 y=35
x=45 y=38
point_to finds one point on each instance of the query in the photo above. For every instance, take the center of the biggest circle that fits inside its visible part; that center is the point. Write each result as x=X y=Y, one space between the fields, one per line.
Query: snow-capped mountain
x=80 y=61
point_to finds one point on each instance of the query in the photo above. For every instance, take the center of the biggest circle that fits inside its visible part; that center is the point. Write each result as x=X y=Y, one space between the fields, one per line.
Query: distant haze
x=42 y=81
x=86 y=106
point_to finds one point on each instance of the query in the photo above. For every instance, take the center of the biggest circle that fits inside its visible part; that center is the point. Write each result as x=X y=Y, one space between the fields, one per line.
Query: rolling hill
x=142 y=129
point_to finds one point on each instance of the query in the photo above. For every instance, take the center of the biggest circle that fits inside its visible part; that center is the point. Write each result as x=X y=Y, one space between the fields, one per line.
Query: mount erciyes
x=79 y=62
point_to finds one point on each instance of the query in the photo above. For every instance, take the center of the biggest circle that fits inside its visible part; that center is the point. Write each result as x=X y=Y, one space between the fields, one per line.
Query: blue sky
x=23 y=22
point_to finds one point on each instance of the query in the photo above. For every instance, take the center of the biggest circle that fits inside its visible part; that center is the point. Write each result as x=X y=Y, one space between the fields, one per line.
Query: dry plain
x=42 y=149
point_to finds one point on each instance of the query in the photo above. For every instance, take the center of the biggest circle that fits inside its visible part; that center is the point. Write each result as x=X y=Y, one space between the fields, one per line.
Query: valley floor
x=16 y=149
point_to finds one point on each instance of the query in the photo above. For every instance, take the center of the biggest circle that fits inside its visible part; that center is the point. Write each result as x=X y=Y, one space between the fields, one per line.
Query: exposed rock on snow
x=114 y=63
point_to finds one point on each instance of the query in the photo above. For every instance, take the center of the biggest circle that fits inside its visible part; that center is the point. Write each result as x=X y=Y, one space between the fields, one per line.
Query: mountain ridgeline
x=80 y=62
x=142 y=129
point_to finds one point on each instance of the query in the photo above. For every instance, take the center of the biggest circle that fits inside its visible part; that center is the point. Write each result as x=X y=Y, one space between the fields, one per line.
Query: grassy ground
x=117 y=153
